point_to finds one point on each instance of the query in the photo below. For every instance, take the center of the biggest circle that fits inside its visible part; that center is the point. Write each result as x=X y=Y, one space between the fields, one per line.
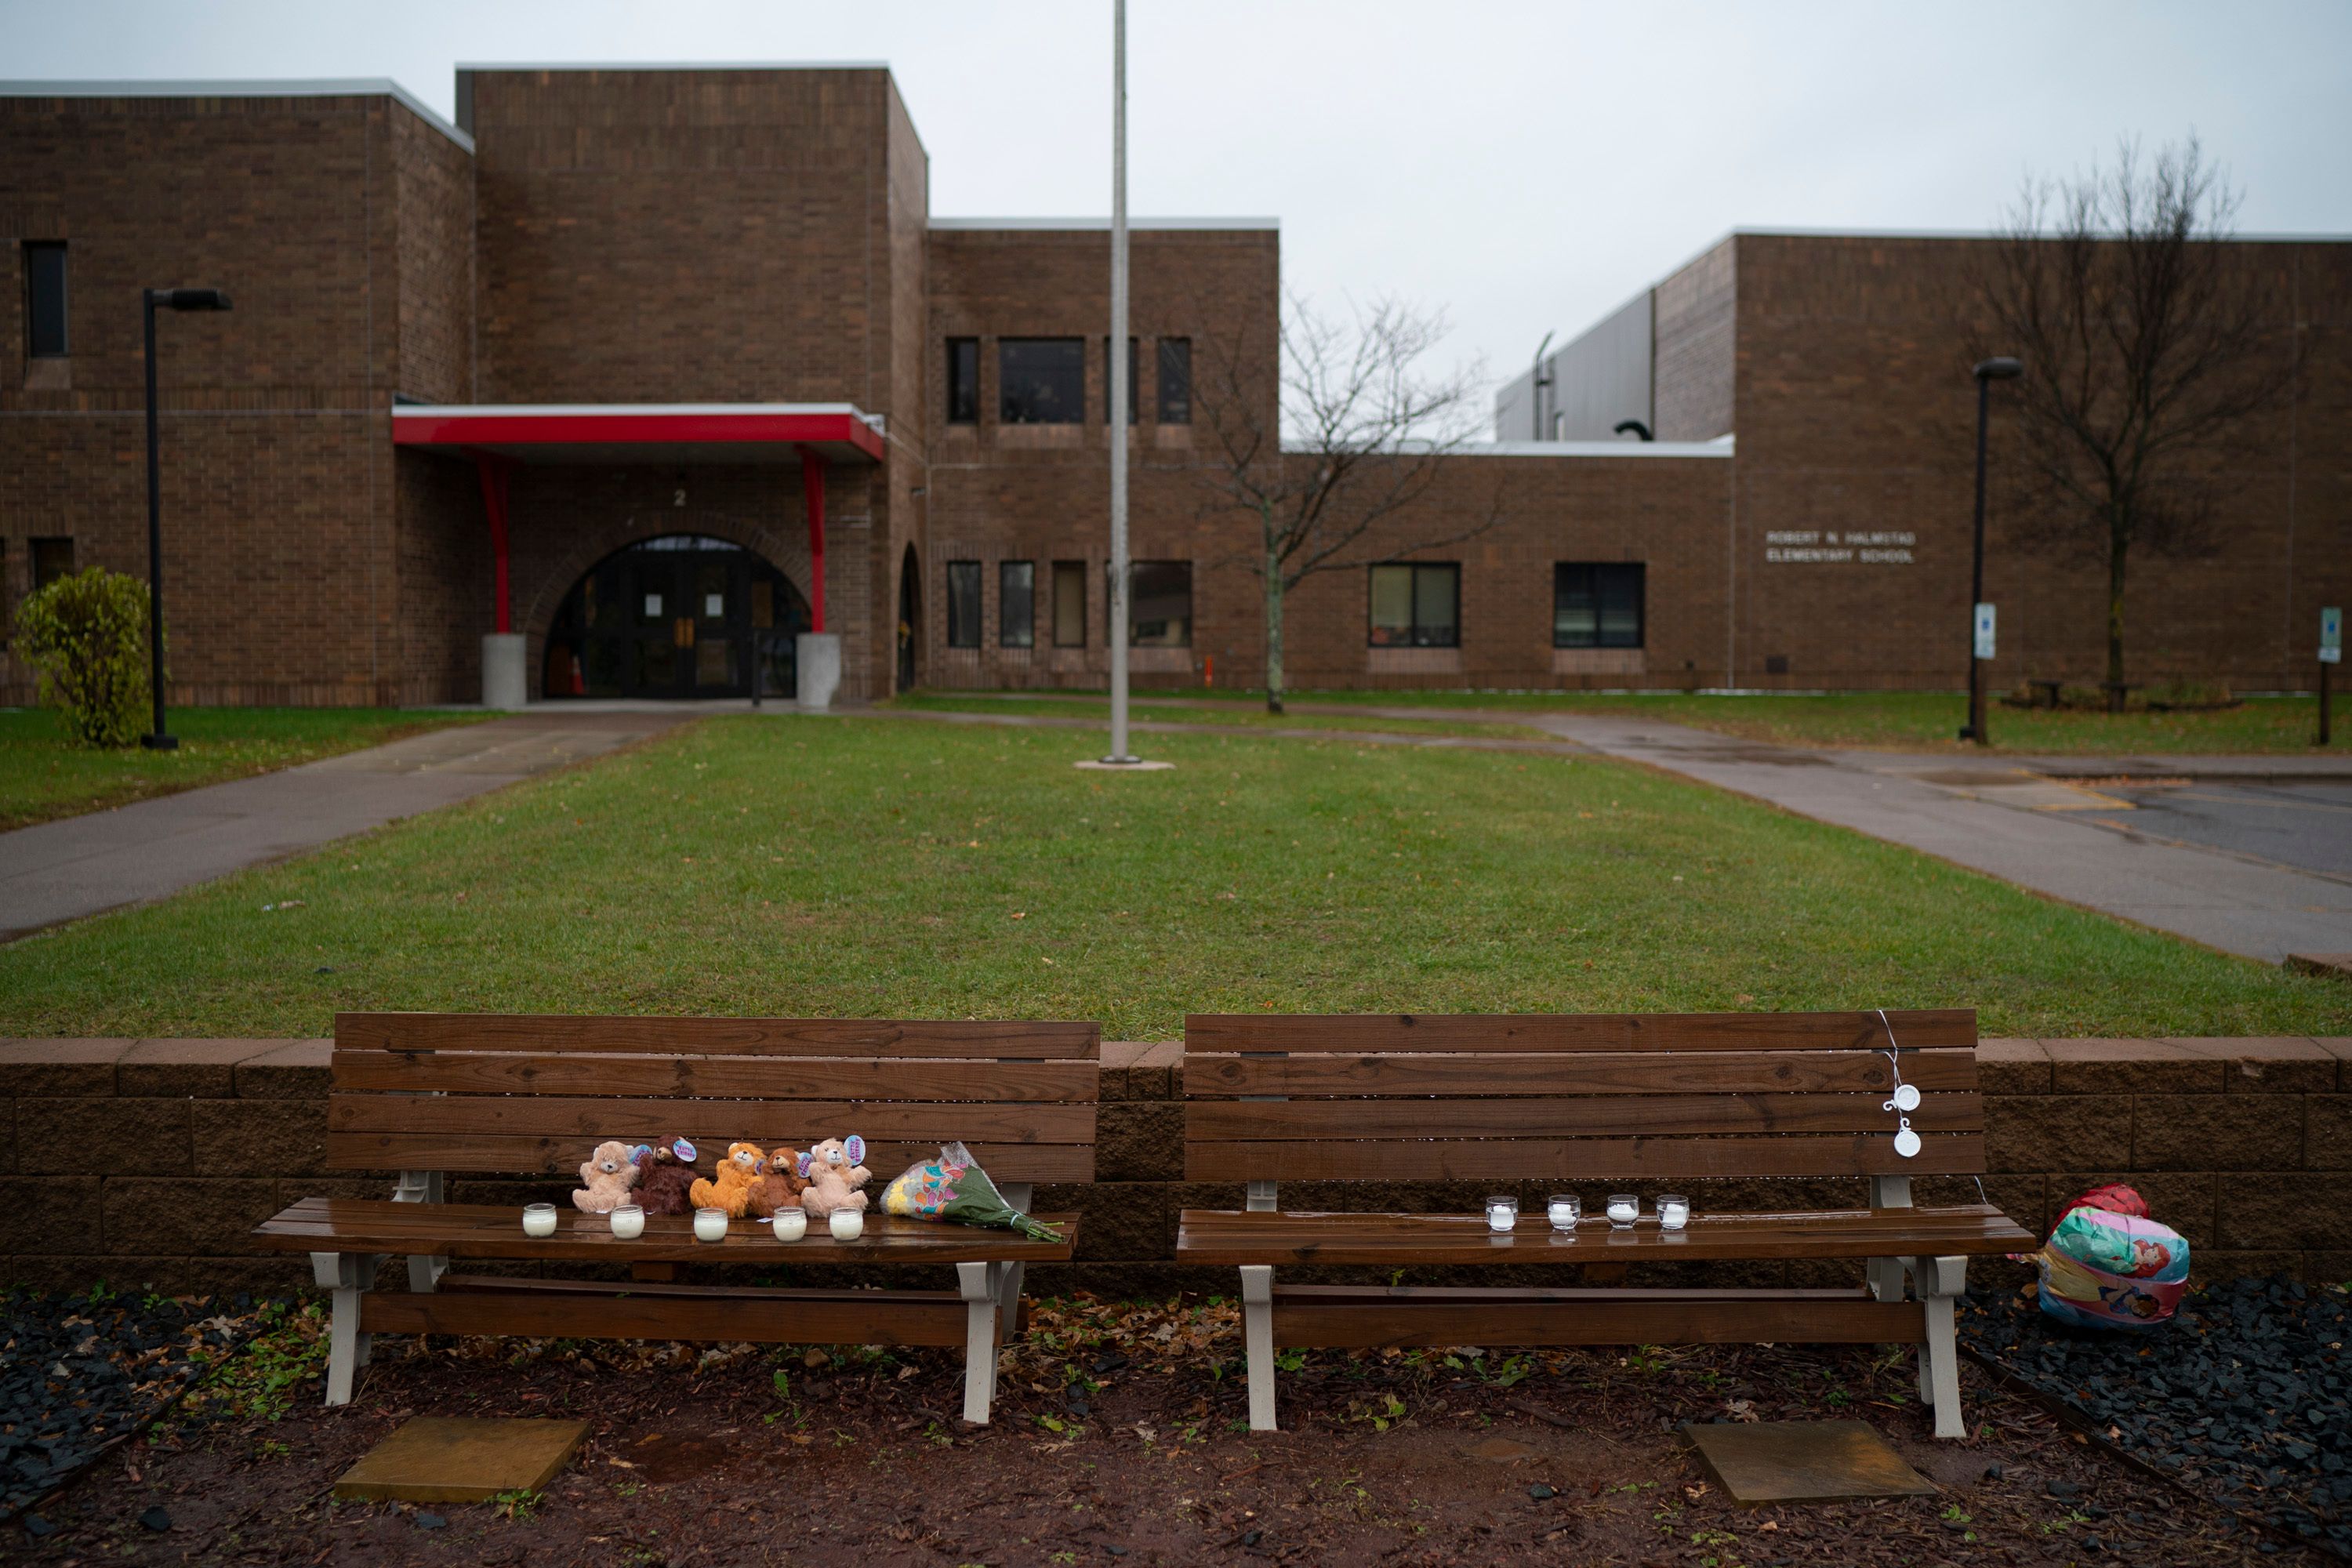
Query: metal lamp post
x=1987 y=372
x=162 y=739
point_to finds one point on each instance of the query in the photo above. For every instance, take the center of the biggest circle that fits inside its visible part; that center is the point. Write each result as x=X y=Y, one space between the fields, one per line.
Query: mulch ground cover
x=1120 y=1438
x=2246 y=1396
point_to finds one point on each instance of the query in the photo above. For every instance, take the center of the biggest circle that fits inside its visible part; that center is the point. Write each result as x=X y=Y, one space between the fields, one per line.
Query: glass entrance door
x=679 y=616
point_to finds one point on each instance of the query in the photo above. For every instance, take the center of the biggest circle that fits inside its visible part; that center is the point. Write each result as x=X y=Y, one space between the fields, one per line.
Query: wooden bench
x=427 y=1094
x=1534 y=1103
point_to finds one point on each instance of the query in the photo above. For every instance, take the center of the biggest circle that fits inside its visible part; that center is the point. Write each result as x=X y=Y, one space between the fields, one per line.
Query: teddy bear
x=665 y=1176
x=834 y=1172
x=731 y=1190
x=780 y=1187
x=608 y=1176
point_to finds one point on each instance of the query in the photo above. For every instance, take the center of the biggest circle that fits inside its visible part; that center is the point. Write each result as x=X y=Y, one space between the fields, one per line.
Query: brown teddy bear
x=731 y=1190
x=780 y=1187
x=834 y=1172
x=608 y=1176
x=665 y=1176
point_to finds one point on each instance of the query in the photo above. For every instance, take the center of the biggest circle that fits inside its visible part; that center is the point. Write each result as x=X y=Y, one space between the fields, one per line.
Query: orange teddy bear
x=731 y=1190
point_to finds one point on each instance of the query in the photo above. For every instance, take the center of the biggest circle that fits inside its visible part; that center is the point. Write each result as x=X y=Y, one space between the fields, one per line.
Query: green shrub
x=86 y=635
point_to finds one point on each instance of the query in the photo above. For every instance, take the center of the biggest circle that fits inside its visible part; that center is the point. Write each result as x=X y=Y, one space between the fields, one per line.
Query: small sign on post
x=2331 y=652
x=1984 y=631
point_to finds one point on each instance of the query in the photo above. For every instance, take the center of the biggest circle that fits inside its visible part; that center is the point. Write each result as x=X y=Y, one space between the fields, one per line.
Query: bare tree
x=2147 y=349
x=1354 y=435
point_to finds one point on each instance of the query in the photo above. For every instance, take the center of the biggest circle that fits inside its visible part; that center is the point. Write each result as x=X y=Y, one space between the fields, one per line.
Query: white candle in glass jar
x=848 y=1225
x=1674 y=1211
x=1624 y=1208
x=539 y=1219
x=1502 y=1211
x=629 y=1222
x=791 y=1225
x=1564 y=1210
x=710 y=1225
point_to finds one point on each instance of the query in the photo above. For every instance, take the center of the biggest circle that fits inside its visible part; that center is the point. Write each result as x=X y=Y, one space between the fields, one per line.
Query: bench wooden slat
x=1600 y=1073
x=850 y=1317
x=715 y=1037
x=720 y=1121
x=495 y=1231
x=734 y=1078
x=1915 y=1028
x=492 y=1154
x=1336 y=1318
x=1406 y=1240
x=1589 y=1116
x=1581 y=1159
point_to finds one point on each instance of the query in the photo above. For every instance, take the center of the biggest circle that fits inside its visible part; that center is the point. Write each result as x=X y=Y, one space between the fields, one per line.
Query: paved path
x=63 y=870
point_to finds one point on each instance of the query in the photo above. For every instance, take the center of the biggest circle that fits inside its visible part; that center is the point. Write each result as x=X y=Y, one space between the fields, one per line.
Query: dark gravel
x=2246 y=1396
x=80 y=1372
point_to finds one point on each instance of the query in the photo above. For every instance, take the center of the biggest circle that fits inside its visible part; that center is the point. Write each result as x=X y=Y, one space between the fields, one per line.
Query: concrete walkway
x=63 y=870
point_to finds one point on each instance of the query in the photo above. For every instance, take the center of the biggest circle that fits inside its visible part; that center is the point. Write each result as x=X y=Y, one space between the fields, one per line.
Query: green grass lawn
x=1155 y=709
x=865 y=867
x=46 y=774
x=1893 y=720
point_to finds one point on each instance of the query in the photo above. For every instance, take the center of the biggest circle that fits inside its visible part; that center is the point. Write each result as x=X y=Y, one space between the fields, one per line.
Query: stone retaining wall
x=146 y=1163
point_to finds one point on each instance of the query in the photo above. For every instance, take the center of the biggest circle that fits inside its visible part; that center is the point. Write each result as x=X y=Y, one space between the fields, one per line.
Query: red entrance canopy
x=497 y=435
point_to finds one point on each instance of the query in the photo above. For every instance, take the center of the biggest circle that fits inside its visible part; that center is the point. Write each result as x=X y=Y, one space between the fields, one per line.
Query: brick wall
x=147 y=1161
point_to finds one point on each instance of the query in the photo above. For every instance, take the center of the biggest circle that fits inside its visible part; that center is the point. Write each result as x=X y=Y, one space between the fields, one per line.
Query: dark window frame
x=34 y=312
x=1135 y=570
x=1134 y=381
x=958 y=634
x=1567 y=576
x=1414 y=637
x=1176 y=381
x=1069 y=571
x=1010 y=386
x=1004 y=601
x=42 y=574
x=963 y=380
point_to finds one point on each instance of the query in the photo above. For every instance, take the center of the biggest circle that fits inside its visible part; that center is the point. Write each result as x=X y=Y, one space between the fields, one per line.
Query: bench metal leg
x=422 y=1187
x=1257 y=1339
x=1941 y=1280
x=1886 y=1274
x=981 y=1283
x=348 y=1275
x=1008 y=1296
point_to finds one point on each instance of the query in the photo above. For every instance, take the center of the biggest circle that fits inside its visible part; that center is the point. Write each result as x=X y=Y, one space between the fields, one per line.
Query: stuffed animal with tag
x=665 y=1177
x=731 y=1189
x=835 y=1170
x=780 y=1186
x=609 y=1174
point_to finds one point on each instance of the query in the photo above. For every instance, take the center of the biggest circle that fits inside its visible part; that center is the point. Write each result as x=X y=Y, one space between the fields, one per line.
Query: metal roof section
x=1721 y=447
x=344 y=86
x=641 y=432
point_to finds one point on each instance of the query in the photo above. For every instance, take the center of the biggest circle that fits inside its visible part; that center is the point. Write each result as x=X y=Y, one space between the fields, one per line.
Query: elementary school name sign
x=1812 y=546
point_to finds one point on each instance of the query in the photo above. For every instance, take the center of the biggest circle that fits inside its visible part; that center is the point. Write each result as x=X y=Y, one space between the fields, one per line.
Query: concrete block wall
x=147 y=1162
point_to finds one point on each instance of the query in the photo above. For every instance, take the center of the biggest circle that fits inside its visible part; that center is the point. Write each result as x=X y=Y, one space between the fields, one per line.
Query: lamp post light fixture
x=162 y=739
x=1986 y=371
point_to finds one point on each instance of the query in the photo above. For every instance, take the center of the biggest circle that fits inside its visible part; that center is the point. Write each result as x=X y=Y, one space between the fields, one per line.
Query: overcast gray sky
x=1528 y=167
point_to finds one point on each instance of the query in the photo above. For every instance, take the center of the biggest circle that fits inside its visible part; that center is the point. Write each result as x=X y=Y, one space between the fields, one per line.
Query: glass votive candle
x=710 y=1225
x=1674 y=1211
x=847 y=1225
x=1624 y=1208
x=1564 y=1211
x=629 y=1222
x=1502 y=1211
x=539 y=1219
x=791 y=1225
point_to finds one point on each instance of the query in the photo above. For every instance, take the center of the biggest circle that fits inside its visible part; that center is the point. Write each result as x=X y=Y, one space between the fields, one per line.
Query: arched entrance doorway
x=680 y=615
x=910 y=618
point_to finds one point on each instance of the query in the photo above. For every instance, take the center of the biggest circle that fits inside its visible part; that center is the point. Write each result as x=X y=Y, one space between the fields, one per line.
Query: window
x=1017 y=604
x=1175 y=381
x=44 y=298
x=963 y=604
x=1417 y=607
x=1069 y=604
x=1041 y=380
x=963 y=380
x=52 y=559
x=1160 y=604
x=1134 y=351
x=1596 y=606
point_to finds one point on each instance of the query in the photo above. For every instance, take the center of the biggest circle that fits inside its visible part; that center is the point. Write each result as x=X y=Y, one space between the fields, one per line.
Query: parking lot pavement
x=2308 y=827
